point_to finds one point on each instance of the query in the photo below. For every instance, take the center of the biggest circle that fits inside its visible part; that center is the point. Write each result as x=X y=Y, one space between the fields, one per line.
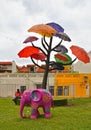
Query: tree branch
x=38 y=48
x=37 y=64
x=45 y=41
x=43 y=44
x=53 y=49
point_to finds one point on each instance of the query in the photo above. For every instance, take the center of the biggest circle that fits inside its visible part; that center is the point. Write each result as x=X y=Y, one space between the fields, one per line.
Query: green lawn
x=75 y=116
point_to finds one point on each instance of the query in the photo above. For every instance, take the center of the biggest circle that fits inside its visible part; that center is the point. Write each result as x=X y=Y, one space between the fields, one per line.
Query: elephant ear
x=36 y=95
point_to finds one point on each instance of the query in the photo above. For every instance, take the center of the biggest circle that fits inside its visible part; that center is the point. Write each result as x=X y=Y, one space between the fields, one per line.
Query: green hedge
x=60 y=102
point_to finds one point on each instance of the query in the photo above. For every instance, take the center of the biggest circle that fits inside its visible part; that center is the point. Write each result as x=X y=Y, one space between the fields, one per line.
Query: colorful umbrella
x=38 y=56
x=61 y=49
x=28 y=51
x=65 y=60
x=30 y=39
x=61 y=57
x=63 y=36
x=56 y=26
x=43 y=29
x=80 y=53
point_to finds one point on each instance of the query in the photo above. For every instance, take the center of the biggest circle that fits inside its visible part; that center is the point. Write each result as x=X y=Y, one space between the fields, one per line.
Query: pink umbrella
x=30 y=39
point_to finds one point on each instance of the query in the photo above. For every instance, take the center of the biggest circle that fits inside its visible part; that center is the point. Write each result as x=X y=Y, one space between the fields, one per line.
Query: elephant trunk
x=21 y=109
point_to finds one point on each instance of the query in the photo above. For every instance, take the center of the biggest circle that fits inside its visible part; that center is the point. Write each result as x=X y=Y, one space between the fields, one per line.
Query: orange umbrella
x=28 y=51
x=43 y=29
x=80 y=53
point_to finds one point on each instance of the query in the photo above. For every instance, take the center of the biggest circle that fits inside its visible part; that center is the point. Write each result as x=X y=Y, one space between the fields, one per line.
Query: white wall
x=10 y=82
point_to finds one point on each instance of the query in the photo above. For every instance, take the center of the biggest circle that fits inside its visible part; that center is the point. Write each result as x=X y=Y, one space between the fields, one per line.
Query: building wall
x=72 y=85
x=64 y=85
x=10 y=82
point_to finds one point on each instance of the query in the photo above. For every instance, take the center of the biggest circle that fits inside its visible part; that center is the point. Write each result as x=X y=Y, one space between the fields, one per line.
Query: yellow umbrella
x=43 y=29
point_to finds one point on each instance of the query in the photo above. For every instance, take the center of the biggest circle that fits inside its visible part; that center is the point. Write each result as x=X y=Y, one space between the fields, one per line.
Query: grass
x=75 y=116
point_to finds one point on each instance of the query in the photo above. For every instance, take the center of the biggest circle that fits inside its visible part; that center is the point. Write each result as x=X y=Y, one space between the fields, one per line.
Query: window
x=51 y=89
x=63 y=90
x=32 y=69
x=66 y=90
x=38 y=86
x=60 y=90
x=22 y=88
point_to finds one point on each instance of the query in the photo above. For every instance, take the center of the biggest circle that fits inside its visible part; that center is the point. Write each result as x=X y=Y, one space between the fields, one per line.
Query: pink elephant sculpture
x=36 y=98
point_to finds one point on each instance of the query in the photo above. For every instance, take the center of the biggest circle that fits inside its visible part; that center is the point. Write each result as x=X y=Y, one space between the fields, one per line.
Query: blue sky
x=17 y=16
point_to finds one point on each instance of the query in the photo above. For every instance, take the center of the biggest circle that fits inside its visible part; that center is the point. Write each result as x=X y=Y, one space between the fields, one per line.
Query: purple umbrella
x=63 y=36
x=30 y=39
x=61 y=49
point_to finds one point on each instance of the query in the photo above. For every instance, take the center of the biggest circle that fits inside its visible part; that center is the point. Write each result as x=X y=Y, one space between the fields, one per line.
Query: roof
x=23 y=69
x=6 y=63
x=29 y=65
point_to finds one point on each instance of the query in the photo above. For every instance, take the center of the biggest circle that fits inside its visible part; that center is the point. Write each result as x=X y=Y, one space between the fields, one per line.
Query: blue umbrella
x=56 y=26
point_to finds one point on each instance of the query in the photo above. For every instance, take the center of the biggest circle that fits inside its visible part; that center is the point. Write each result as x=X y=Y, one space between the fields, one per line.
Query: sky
x=17 y=16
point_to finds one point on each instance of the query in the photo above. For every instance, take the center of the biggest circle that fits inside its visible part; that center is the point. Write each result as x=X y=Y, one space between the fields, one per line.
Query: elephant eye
x=34 y=96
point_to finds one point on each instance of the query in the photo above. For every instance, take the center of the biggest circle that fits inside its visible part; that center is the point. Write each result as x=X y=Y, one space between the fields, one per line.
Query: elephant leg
x=34 y=113
x=47 y=113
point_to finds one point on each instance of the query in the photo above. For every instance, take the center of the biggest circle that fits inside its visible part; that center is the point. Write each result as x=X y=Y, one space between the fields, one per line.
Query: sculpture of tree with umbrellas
x=49 y=31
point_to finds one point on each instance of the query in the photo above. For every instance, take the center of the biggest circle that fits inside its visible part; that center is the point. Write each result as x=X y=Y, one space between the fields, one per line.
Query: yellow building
x=72 y=85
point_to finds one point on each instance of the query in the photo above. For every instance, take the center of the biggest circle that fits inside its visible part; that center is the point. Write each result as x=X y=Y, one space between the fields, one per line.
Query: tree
x=48 y=32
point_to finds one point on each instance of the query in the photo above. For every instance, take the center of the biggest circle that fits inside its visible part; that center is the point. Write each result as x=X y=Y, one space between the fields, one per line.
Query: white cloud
x=19 y=15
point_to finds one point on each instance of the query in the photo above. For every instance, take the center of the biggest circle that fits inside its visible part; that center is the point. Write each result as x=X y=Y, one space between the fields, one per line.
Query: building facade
x=72 y=85
x=9 y=82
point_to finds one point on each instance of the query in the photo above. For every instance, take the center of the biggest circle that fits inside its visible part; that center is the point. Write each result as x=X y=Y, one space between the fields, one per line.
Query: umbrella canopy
x=80 y=53
x=30 y=39
x=61 y=49
x=43 y=29
x=28 y=51
x=63 y=36
x=56 y=26
x=61 y=57
x=64 y=59
x=38 y=56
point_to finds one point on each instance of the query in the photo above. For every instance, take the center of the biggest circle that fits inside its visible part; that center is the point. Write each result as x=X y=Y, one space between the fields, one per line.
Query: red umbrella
x=80 y=53
x=38 y=56
x=30 y=39
x=43 y=29
x=28 y=51
x=61 y=57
